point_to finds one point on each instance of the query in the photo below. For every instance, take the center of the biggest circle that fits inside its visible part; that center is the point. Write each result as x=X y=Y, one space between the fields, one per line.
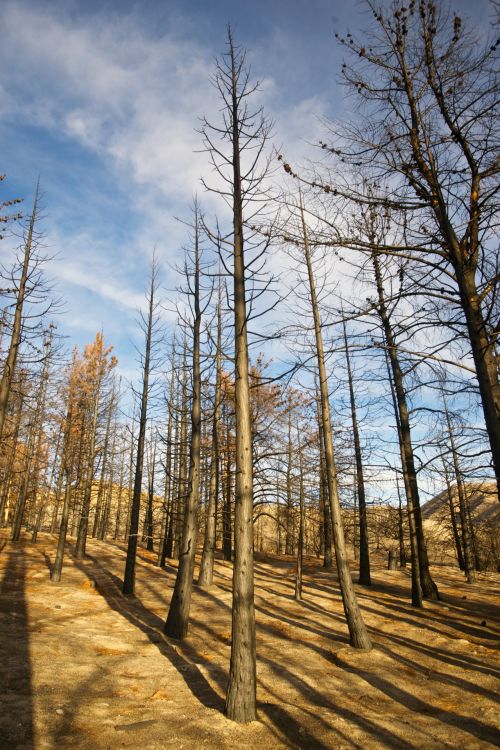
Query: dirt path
x=84 y=667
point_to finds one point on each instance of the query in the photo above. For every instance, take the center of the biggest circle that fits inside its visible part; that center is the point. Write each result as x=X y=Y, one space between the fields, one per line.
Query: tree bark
x=129 y=576
x=419 y=550
x=358 y=633
x=241 y=691
x=364 y=553
x=207 y=558
x=177 y=622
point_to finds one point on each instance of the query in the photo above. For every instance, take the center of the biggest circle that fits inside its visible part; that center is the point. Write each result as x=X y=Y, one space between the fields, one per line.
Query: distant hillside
x=483 y=501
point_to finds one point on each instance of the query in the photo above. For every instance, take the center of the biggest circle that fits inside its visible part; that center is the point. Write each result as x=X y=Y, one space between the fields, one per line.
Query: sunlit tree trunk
x=421 y=577
x=129 y=577
x=358 y=633
x=364 y=553
x=207 y=558
x=177 y=622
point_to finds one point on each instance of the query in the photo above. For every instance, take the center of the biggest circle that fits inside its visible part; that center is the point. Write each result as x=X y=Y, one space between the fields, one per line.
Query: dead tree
x=176 y=625
x=149 y=323
x=358 y=633
x=364 y=554
x=207 y=558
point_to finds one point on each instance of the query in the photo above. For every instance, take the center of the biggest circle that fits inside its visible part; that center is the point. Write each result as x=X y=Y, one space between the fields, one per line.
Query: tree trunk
x=167 y=494
x=302 y=523
x=483 y=352
x=358 y=633
x=364 y=553
x=464 y=520
x=177 y=622
x=241 y=691
x=129 y=577
x=423 y=578
x=207 y=558
x=453 y=517
x=227 y=550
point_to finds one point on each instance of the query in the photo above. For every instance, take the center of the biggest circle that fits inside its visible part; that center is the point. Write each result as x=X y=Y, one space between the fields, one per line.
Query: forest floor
x=84 y=667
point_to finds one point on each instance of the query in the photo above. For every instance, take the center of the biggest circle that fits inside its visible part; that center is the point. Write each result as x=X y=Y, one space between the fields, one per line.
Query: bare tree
x=427 y=141
x=149 y=324
x=242 y=176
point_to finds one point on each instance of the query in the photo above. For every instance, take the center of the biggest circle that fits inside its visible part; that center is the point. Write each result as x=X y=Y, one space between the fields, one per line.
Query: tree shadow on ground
x=109 y=586
x=16 y=702
x=467 y=724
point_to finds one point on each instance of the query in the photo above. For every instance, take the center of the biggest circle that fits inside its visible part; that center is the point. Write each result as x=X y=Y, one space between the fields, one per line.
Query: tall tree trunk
x=174 y=502
x=401 y=530
x=168 y=494
x=177 y=622
x=419 y=550
x=55 y=575
x=182 y=488
x=302 y=523
x=326 y=526
x=207 y=558
x=289 y=540
x=116 y=532
x=358 y=633
x=129 y=577
x=483 y=352
x=364 y=553
x=454 y=526
x=464 y=520
x=29 y=484
x=241 y=691
x=100 y=491
x=7 y=479
x=227 y=549
x=148 y=521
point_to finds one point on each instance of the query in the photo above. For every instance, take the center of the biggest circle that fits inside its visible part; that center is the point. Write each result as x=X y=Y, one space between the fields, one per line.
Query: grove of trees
x=310 y=413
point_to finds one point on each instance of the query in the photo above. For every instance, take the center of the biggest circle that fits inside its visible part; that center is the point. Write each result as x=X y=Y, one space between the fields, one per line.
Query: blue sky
x=101 y=99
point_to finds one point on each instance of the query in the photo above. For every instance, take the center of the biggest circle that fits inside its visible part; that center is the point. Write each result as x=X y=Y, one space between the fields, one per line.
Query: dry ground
x=84 y=667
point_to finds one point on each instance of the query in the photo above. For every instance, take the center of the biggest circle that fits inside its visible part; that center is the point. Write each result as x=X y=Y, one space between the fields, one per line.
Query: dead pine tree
x=422 y=582
x=9 y=367
x=149 y=326
x=205 y=576
x=358 y=633
x=364 y=553
x=302 y=522
x=467 y=547
x=148 y=520
x=240 y=139
x=427 y=85
x=176 y=625
x=166 y=528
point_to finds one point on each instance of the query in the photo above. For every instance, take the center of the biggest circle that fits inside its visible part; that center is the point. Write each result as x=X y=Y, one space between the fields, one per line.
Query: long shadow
x=109 y=585
x=444 y=677
x=464 y=723
x=462 y=661
x=421 y=620
x=16 y=694
x=379 y=732
x=440 y=618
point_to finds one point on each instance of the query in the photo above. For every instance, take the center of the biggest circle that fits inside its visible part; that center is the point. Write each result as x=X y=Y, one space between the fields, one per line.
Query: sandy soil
x=84 y=667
